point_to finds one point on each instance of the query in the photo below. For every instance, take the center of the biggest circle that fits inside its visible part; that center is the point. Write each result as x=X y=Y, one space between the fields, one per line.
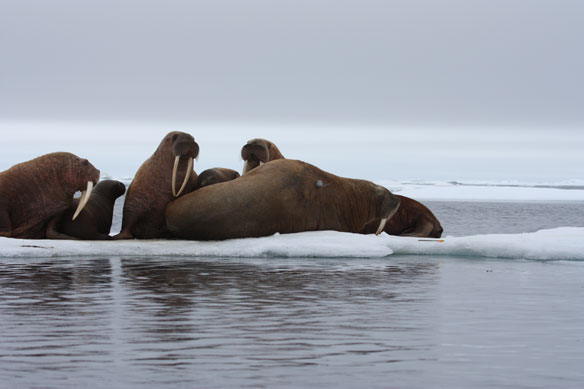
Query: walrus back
x=283 y=196
x=245 y=207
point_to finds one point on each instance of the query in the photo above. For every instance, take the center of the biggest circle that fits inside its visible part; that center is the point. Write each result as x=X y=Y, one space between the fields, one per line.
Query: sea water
x=404 y=321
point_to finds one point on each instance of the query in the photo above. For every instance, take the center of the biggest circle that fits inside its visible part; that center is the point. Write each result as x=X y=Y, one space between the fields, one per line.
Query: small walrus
x=215 y=176
x=95 y=222
x=257 y=152
x=155 y=185
x=32 y=192
x=282 y=196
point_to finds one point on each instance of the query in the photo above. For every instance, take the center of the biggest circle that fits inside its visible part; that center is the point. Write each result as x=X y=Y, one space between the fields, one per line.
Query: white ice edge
x=481 y=192
x=565 y=243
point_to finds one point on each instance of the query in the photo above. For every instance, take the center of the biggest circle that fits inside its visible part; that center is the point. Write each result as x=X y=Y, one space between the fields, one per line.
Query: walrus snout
x=255 y=153
x=183 y=146
x=89 y=172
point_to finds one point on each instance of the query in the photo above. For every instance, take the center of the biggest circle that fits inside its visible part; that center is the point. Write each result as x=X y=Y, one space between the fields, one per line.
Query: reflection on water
x=403 y=322
x=158 y=321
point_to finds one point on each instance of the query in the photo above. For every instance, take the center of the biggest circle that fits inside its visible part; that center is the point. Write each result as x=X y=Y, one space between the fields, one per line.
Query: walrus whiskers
x=84 y=199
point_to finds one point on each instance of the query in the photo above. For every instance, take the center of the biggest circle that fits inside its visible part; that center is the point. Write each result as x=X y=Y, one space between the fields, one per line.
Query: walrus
x=155 y=185
x=32 y=192
x=411 y=219
x=257 y=152
x=282 y=196
x=95 y=222
x=215 y=176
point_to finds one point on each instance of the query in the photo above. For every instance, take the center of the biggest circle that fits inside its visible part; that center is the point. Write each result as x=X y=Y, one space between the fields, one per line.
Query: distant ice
x=566 y=243
x=488 y=191
x=372 y=153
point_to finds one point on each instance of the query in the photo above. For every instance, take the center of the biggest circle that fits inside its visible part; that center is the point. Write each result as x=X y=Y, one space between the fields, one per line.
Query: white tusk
x=381 y=226
x=261 y=163
x=189 y=170
x=174 y=169
x=245 y=168
x=84 y=199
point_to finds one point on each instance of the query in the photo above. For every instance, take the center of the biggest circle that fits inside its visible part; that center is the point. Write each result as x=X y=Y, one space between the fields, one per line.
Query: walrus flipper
x=125 y=234
x=52 y=230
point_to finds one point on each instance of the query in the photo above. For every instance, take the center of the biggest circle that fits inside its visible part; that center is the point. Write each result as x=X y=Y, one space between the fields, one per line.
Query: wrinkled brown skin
x=95 y=220
x=215 y=176
x=282 y=196
x=151 y=189
x=411 y=219
x=256 y=151
x=32 y=192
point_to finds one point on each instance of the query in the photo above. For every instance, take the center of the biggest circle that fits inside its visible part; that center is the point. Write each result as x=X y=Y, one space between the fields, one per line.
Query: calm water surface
x=400 y=321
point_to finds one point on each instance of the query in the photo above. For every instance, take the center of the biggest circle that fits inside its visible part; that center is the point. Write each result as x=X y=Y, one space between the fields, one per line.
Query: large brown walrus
x=155 y=185
x=95 y=222
x=32 y=192
x=412 y=219
x=215 y=176
x=257 y=152
x=282 y=196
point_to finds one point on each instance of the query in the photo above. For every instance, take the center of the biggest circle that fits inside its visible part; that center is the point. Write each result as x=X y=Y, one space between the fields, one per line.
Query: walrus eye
x=318 y=184
x=174 y=137
x=85 y=162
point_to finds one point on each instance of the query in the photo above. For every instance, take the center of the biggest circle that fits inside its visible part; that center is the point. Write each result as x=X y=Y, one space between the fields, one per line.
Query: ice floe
x=566 y=243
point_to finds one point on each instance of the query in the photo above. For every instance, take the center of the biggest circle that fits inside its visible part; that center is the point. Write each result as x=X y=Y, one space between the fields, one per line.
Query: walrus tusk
x=174 y=169
x=245 y=167
x=188 y=175
x=189 y=170
x=381 y=226
x=261 y=163
x=84 y=199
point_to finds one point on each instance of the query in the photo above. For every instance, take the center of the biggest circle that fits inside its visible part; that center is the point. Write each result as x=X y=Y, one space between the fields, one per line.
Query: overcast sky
x=483 y=89
x=411 y=62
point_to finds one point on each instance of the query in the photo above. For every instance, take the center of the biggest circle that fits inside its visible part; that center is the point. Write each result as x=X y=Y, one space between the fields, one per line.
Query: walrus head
x=386 y=205
x=110 y=188
x=257 y=152
x=183 y=147
x=215 y=176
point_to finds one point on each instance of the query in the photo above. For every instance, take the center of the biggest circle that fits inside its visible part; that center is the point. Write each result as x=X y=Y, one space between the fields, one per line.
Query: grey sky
x=430 y=63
